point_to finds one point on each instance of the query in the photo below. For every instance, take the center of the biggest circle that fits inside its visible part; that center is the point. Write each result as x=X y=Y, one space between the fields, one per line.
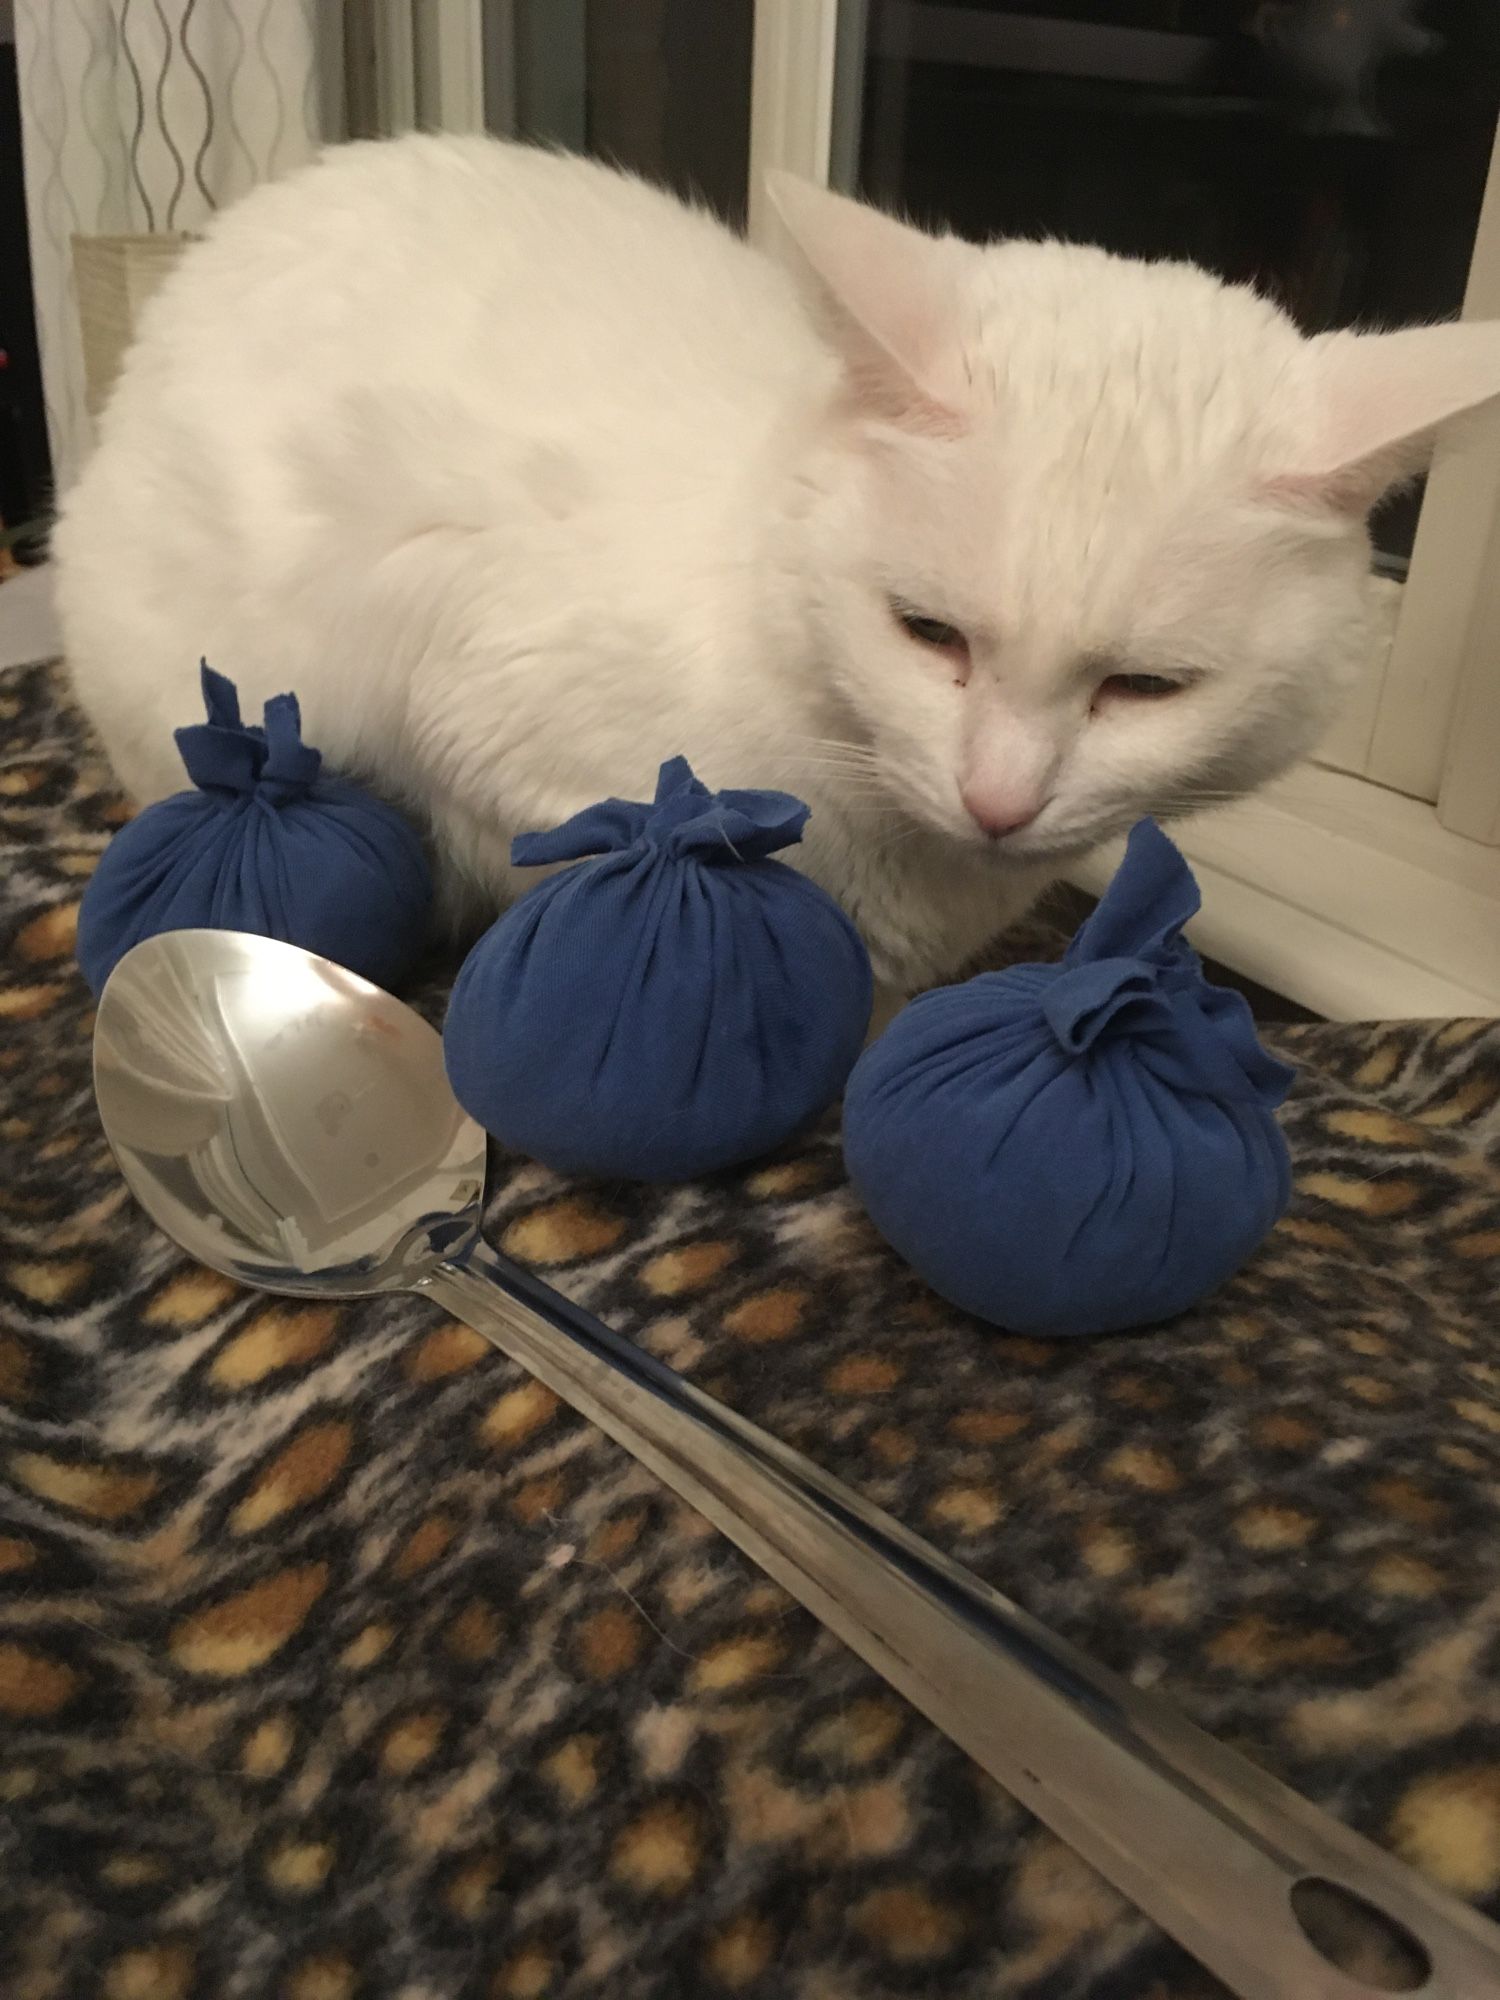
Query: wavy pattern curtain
x=141 y=117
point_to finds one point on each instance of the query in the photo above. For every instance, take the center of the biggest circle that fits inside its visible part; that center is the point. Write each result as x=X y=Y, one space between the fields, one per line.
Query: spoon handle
x=1240 y=1870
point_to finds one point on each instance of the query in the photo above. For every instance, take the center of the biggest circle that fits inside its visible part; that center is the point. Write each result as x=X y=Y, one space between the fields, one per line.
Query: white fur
x=525 y=477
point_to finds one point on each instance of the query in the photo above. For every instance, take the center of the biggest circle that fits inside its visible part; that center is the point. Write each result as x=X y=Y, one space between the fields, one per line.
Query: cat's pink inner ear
x=1379 y=400
x=887 y=296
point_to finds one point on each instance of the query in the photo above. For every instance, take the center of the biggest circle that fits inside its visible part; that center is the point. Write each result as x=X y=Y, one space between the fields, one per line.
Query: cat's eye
x=1140 y=687
x=934 y=632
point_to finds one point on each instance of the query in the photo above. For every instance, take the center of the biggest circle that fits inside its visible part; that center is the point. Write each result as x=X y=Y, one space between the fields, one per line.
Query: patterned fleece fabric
x=338 y=1661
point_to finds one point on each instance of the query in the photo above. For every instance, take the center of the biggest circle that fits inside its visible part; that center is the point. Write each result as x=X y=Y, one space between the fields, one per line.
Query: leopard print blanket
x=338 y=1661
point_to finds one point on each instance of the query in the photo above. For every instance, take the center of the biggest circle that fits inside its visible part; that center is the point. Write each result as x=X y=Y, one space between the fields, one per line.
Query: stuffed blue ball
x=266 y=844
x=677 y=1003
x=1083 y=1147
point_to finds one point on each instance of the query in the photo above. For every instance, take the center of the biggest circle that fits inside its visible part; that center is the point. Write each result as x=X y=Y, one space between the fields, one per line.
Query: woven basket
x=115 y=276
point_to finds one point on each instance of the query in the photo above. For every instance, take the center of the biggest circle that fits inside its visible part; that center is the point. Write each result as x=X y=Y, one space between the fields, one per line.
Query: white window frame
x=1398 y=727
x=792 y=89
x=426 y=64
x=1340 y=891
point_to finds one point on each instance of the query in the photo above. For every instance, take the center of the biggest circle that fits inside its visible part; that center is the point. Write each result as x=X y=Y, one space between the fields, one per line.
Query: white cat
x=525 y=477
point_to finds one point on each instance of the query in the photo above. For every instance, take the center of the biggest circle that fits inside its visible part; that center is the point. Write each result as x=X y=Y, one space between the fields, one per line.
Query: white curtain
x=143 y=117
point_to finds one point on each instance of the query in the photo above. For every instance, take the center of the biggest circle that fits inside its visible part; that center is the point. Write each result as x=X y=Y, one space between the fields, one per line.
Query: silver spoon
x=291 y=1126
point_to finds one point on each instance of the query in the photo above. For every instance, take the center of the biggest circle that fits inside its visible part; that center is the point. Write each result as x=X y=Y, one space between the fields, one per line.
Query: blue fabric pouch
x=1083 y=1147
x=266 y=844
x=677 y=1003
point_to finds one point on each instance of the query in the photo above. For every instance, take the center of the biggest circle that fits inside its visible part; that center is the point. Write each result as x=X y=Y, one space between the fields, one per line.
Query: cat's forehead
x=1120 y=419
x=1102 y=364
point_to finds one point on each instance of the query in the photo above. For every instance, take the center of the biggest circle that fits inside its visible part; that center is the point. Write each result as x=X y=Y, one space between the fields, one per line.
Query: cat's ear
x=1380 y=398
x=887 y=296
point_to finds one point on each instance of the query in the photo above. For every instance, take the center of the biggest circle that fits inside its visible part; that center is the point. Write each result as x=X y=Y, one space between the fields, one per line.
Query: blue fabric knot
x=1082 y=1147
x=684 y=818
x=1115 y=996
x=1131 y=974
x=266 y=843
x=676 y=1004
x=225 y=754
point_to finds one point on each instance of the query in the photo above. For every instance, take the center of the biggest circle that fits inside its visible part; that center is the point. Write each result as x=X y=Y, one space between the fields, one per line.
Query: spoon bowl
x=292 y=1126
x=282 y=1119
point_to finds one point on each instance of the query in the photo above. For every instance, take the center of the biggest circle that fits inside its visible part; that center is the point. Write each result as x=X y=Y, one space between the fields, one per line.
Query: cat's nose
x=998 y=817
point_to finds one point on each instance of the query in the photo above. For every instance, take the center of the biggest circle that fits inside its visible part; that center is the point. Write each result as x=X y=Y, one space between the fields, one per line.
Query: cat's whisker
x=897 y=838
x=851 y=787
x=856 y=752
x=848 y=780
x=827 y=763
x=831 y=764
x=880 y=811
